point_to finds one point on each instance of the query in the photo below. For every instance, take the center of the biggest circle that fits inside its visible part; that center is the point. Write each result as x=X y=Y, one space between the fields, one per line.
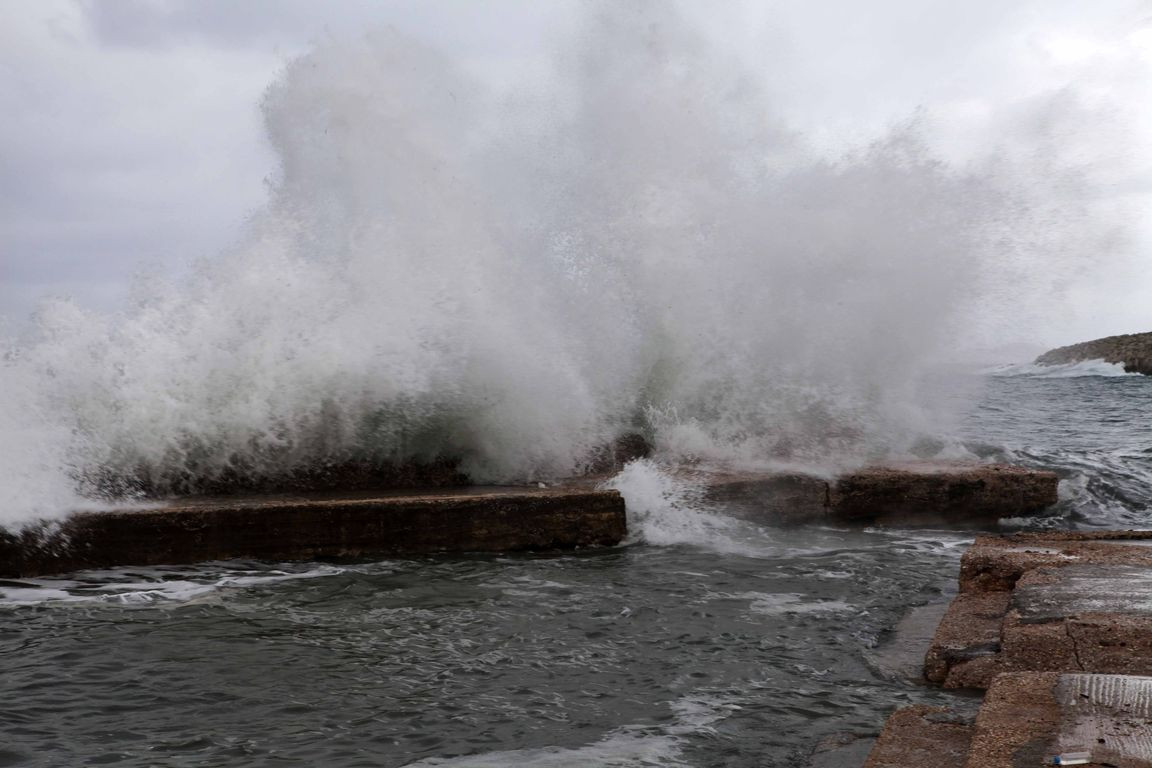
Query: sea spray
x=446 y=271
x=663 y=508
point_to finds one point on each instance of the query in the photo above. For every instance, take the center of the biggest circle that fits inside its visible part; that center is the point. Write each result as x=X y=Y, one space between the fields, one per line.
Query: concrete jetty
x=1028 y=719
x=305 y=527
x=574 y=513
x=1048 y=602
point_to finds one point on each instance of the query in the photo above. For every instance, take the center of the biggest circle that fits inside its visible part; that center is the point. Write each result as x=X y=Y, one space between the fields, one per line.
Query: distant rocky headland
x=1132 y=350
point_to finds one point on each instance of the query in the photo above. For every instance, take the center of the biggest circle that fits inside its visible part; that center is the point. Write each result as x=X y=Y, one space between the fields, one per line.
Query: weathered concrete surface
x=1132 y=350
x=1018 y=723
x=923 y=736
x=1048 y=602
x=965 y=651
x=996 y=562
x=920 y=493
x=308 y=527
x=1026 y=719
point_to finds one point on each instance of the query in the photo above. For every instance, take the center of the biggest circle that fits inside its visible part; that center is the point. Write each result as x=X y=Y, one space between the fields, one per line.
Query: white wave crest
x=1065 y=371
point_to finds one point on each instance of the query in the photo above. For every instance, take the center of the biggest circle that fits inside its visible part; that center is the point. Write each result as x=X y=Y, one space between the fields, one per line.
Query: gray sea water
x=753 y=649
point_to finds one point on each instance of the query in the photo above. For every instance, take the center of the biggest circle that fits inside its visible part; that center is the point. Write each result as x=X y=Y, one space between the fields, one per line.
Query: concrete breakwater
x=925 y=493
x=498 y=519
x=320 y=527
x=1132 y=350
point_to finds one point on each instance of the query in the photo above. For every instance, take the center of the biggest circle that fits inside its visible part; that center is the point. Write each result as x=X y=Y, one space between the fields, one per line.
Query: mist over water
x=444 y=268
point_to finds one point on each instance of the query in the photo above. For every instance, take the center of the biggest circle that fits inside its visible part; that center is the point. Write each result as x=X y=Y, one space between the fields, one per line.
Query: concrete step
x=921 y=735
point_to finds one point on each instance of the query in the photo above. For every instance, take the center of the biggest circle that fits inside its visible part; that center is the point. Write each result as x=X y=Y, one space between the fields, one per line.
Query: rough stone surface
x=942 y=494
x=1108 y=716
x=965 y=649
x=1018 y=722
x=1132 y=350
x=1071 y=601
x=1027 y=718
x=922 y=493
x=996 y=562
x=309 y=527
x=923 y=736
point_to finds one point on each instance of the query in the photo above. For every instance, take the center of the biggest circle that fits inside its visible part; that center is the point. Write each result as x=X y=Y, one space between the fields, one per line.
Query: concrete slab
x=1026 y=719
x=575 y=513
x=1051 y=594
x=1108 y=716
x=950 y=494
x=996 y=562
x=1053 y=602
x=303 y=527
x=965 y=651
x=1018 y=723
x=923 y=736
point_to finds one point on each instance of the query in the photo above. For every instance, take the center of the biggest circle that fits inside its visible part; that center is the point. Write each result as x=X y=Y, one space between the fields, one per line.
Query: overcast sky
x=131 y=137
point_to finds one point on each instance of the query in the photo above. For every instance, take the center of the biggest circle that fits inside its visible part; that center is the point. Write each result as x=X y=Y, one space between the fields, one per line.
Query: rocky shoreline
x=1132 y=350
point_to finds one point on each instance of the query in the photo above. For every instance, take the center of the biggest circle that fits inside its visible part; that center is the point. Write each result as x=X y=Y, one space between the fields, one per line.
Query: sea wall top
x=1132 y=350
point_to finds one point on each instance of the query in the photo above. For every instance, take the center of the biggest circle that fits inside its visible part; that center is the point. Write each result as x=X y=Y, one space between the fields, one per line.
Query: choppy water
x=745 y=650
x=1090 y=423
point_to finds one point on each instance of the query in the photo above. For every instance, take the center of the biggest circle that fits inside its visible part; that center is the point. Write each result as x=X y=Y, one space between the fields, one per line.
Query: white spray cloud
x=444 y=270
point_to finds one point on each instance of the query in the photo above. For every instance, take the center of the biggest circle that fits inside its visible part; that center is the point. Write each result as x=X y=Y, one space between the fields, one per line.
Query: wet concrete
x=574 y=513
x=305 y=527
x=1060 y=602
x=1025 y=720
x=918 y=493
x=921 y=735
x=901 y=654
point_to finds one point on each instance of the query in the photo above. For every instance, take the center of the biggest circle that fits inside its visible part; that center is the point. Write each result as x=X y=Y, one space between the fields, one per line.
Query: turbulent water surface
x=737 y=646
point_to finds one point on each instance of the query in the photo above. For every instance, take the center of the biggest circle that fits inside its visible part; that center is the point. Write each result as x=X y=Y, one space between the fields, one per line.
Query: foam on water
x=626 y=747
x=664 y=508
x=144 y=587
x=1064 y=371
x=445 y=269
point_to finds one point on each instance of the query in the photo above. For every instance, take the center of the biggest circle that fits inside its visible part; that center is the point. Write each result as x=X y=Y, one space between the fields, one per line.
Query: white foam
x=1065 y=371
x=631 y=746
x=774 y=604
x=637 y=243
x=668 y=509
x=106 y=588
